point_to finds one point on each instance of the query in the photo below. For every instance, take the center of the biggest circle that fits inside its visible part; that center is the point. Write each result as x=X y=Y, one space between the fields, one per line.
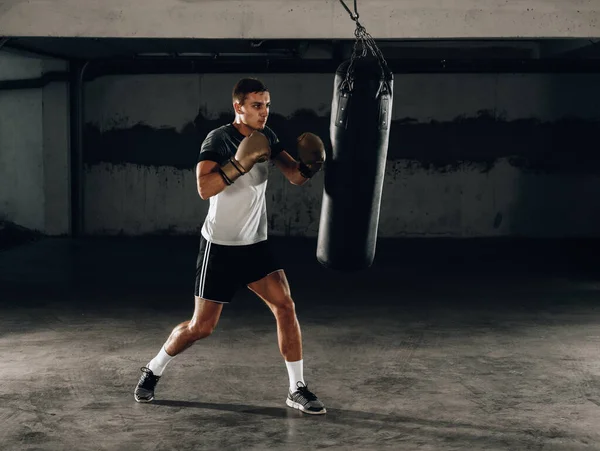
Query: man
x=232 y=173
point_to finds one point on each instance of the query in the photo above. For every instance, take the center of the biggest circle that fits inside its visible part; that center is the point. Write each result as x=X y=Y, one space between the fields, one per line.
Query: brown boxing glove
x=253 y=149
x=311 y=153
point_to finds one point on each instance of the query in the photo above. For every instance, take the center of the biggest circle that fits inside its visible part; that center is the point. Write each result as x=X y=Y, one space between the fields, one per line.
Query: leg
x=184 y=335
x=274 y=290
x=205 y=318
x=215 y=285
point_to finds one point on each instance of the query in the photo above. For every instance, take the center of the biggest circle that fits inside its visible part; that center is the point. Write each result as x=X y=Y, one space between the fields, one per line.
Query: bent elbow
x=203 y=194
x=298 y=181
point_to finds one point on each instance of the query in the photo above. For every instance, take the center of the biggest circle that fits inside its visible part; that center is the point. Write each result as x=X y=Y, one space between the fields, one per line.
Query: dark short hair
x=244 y=87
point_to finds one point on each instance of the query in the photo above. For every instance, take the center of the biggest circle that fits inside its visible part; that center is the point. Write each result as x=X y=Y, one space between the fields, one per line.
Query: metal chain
x=363 y=44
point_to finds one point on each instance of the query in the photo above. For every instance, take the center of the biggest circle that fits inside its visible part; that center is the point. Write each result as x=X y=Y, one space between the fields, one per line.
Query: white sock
x=295 y=373
x=158 y=364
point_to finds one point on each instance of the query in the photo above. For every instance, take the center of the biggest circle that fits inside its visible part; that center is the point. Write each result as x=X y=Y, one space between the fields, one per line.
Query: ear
x=237 y=107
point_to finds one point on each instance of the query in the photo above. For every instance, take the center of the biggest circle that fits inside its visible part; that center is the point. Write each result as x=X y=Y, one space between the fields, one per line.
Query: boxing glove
x=311 y=154
x=253 y=149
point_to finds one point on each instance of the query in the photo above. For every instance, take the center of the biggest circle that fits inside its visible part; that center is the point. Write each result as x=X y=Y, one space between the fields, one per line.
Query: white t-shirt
x=236 y=216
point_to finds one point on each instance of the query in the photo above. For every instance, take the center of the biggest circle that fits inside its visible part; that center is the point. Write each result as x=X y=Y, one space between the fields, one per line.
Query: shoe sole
x=143 y=400
x=300 y=407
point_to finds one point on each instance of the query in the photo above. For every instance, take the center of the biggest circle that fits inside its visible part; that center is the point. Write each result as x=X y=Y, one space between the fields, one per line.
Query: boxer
x=231 y=173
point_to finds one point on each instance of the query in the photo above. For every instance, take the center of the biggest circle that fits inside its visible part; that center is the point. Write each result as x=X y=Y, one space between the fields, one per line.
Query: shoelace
x=148 y=380
x=305 y=392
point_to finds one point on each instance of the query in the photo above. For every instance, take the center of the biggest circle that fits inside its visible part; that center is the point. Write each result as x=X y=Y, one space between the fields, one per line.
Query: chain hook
x=363 y=45
x=353 y=15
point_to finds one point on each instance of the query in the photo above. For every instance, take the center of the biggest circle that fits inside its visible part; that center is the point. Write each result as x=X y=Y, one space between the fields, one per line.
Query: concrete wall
x=34 y=147
x=469 y=155
x=261 y=19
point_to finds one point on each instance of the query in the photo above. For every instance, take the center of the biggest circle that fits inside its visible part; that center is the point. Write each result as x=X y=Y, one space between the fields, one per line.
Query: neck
x=242 y=128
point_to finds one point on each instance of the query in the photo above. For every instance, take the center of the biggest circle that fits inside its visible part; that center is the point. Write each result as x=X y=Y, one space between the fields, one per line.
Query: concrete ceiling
x=301 y=19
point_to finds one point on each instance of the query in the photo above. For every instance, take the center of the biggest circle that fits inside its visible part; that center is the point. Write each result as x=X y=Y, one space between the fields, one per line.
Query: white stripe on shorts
x=203 y=273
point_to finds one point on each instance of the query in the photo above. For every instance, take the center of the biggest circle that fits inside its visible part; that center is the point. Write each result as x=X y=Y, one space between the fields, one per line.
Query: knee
x=200 y=330
x=285 y=308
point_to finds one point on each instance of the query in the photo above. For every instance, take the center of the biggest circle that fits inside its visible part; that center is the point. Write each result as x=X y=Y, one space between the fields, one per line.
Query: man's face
x=255 y=110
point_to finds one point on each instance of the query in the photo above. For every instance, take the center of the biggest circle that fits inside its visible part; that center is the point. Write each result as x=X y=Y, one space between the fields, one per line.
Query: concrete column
x=21 y=145
x=56 y=154
x=34 y=147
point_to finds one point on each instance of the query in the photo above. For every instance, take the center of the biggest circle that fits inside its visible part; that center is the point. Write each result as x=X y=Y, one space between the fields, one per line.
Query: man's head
x=251 y=102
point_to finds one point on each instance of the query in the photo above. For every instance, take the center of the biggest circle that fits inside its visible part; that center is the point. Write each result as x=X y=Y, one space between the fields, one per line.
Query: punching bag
x=353 y=177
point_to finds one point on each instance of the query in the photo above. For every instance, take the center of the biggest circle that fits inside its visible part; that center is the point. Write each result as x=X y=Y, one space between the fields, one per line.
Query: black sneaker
x=305 y=401
x=144 y=392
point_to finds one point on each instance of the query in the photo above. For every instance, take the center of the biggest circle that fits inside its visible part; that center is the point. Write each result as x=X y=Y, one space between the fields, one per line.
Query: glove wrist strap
x=305 y=171
x=231 y=171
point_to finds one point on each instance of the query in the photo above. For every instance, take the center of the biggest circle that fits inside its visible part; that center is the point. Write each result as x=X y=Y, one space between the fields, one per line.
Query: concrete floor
x=442 y=345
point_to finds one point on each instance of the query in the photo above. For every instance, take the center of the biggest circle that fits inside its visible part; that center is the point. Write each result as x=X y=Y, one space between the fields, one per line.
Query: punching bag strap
x=342 y=110
x=364 y=44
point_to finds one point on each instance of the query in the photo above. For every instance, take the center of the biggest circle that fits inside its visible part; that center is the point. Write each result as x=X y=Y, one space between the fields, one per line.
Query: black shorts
x=222 y=270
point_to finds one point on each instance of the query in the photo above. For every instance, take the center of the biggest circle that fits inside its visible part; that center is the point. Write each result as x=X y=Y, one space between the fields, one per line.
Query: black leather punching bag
x=354 y=172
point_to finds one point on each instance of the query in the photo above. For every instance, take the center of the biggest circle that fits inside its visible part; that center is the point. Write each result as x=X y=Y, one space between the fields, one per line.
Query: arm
x=289 y=167
x=311 y=156
x=212 y=177
x=209 y=180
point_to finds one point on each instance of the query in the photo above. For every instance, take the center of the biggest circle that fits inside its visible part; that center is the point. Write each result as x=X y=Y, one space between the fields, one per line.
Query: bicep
x=213 y=150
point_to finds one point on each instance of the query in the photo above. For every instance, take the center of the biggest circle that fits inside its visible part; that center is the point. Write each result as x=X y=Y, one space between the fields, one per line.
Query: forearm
x=294 y=176
x=311 y=156
x=290 y=169
x=210 y=185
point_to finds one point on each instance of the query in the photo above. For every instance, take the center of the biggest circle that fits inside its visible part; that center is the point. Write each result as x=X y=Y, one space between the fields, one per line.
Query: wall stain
x=497 y=220
x=142 y=145
x=563 y=146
